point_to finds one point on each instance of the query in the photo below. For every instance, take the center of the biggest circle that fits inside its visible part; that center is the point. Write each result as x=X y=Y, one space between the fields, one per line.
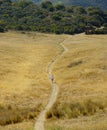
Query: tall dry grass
x=24 y=85
x=82 y=78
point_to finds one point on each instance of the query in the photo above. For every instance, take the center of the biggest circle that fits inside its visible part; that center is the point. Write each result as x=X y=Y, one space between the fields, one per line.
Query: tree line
x=49 y=18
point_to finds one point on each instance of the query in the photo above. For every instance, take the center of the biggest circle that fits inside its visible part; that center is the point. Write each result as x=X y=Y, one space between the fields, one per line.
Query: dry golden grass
x=24 y=84
x=93 y=123
x=82 y=77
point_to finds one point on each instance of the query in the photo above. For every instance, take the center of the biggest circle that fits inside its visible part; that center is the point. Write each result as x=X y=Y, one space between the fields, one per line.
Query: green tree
x=5 y=1
x=1 y=29
x=60 y=6
x=79 y=10
x=47 y=5
x=94 y=11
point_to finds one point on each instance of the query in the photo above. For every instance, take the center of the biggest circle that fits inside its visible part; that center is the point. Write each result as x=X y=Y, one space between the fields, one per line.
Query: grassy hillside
x=24 y=84
x=82 y=77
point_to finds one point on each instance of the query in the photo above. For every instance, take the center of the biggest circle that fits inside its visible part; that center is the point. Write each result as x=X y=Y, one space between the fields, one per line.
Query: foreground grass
x=24 y=84
x=95 y=122
x=102 y=125
x=25 y=125
x=82 y=77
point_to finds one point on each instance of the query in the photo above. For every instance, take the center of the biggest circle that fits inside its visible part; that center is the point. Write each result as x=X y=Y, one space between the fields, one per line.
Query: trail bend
x=39 y=125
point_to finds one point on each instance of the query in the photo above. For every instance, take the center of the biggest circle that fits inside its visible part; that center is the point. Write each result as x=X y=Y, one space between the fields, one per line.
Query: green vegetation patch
x=47 y=17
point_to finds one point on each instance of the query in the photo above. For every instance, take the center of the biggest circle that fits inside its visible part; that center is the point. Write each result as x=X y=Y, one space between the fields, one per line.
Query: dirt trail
x=39 y=125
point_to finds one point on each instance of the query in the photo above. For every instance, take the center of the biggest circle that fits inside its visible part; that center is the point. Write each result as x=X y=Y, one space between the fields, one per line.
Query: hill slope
x=100 y=3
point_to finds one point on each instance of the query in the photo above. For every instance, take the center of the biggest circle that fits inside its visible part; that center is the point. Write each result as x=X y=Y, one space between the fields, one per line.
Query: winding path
x=39 y=125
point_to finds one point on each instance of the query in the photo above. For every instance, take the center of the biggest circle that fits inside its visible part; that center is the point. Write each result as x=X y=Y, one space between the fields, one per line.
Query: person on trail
x=52 y=78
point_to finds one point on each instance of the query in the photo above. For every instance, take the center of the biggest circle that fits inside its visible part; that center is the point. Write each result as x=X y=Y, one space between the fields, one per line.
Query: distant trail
x=39 y=125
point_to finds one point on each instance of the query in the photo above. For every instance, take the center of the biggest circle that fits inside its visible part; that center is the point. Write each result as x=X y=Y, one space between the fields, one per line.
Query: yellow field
x=24 y=84
x=82 y=77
